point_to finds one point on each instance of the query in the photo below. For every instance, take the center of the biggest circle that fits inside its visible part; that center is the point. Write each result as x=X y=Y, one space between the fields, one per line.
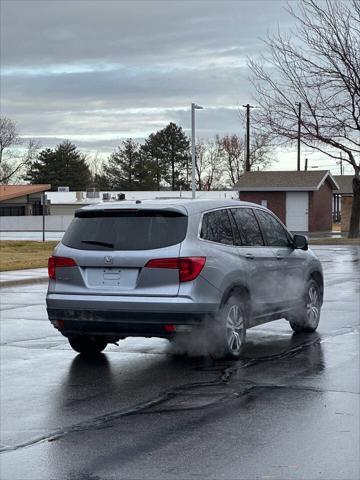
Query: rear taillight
x=189 y=267
x=55 y=262
x=171 y=263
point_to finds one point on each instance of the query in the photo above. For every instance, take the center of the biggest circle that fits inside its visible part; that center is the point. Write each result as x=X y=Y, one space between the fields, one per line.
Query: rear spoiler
x=127 y=212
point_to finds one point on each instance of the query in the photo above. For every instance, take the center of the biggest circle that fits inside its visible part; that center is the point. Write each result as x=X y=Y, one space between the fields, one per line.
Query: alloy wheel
x=313 y=306
x=234 y=328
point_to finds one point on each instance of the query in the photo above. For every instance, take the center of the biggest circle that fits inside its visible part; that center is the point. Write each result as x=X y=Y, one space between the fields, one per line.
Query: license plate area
x=112 y=278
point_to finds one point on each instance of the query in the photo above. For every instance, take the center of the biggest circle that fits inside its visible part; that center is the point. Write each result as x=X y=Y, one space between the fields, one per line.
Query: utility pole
x=306 y=164
x=247 y=160
x=299 y=137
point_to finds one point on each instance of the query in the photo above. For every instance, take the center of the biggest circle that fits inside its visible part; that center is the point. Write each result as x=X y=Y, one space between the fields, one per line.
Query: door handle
x=249 y=256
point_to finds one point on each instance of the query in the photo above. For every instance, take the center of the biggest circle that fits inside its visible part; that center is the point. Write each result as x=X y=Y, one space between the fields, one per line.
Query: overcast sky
x=98 y=71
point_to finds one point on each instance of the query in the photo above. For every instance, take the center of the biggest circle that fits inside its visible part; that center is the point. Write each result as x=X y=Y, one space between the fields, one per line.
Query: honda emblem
x=108 y=260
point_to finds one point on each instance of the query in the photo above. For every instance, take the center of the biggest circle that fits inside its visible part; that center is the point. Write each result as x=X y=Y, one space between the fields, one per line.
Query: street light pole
x=194 y=107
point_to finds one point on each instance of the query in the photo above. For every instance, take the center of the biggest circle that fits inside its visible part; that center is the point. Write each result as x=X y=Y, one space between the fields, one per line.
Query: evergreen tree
x=152 y=152
x=120 y=171
x=100 y=182
x=63 y=166
x=169 y=150
x=130 y=167
x=145 y=172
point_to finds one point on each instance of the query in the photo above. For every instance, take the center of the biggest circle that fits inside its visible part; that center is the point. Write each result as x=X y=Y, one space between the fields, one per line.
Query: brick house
x=301 y=199
x=22 y=199
x=343 y=199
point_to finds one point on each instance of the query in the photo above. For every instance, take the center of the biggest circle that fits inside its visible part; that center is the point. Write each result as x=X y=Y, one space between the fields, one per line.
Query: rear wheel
x=87 y=345
x=307 y=319
x=231 y=328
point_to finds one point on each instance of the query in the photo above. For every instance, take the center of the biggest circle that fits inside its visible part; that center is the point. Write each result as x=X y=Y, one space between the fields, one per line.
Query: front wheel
x=87 y=345
x=307 y=319
x=231 y=328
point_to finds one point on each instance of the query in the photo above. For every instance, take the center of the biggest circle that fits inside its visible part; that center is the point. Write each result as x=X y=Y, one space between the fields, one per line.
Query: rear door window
x=275 y=233
x=248 y=227
x=216 y=227
x=125 y=229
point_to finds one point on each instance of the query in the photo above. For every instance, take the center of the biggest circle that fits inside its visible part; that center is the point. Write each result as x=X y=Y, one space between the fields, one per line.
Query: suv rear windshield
x=125 y=229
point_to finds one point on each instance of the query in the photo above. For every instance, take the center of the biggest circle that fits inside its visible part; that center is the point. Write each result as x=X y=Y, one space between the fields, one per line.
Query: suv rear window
x=125 y=229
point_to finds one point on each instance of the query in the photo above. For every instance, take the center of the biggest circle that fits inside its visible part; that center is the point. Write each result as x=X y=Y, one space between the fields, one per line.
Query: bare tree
x=233 y=148
x=209 y=164
x=9 y=135
x=216 y=168
x=96 y=167
x=233 y=152
x=261 y=151
x=319 y=66
x=200 y=161
x=11 y=168
x=16 y=158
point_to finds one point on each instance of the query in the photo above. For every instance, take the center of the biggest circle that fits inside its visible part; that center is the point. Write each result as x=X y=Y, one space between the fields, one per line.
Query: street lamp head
x=197 y=107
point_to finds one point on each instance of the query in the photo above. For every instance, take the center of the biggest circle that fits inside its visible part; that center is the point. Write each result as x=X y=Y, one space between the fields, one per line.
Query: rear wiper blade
x=102 y=244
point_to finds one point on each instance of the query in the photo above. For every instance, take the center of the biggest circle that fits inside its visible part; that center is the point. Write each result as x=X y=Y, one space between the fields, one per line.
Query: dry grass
x=334 y=241
x=18 y=255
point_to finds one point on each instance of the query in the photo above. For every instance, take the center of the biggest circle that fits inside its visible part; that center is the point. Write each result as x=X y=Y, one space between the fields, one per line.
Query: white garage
x=301 y=199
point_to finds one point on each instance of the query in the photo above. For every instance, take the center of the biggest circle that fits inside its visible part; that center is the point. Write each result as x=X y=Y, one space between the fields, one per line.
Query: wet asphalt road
x=289 y=409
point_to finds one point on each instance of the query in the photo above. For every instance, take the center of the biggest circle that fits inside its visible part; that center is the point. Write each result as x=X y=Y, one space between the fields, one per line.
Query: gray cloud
x=97 y=71
x=41 y=33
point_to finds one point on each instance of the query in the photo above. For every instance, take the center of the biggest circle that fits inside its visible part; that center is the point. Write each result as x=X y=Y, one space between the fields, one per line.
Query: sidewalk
x=23 y=277
x=327 y=234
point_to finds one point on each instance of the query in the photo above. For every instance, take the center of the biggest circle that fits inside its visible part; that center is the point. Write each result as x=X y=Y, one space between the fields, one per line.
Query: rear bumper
x=124 y=316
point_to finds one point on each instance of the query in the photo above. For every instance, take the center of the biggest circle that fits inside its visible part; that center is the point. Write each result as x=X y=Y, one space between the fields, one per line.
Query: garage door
x=297 y=211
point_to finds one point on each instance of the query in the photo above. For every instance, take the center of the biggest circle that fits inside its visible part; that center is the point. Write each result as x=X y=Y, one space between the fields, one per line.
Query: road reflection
x=97 y=385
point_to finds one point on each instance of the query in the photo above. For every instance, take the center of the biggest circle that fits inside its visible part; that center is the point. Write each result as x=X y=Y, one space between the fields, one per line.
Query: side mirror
x=301 y=242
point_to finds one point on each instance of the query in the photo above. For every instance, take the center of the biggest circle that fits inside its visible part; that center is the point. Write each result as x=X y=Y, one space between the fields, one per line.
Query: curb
x=22 y=281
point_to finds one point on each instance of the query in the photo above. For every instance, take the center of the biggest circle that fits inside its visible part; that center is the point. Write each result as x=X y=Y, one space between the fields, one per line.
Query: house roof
x=13 y=191
x=345 y=184
x=297 y=181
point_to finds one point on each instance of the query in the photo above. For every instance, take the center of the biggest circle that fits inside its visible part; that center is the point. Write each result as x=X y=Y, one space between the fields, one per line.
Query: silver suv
x=174 y=268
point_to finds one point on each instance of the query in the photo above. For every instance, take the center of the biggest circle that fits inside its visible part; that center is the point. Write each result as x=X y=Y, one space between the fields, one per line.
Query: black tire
x=231 y=328
x=307 y=319
x=87 y=345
